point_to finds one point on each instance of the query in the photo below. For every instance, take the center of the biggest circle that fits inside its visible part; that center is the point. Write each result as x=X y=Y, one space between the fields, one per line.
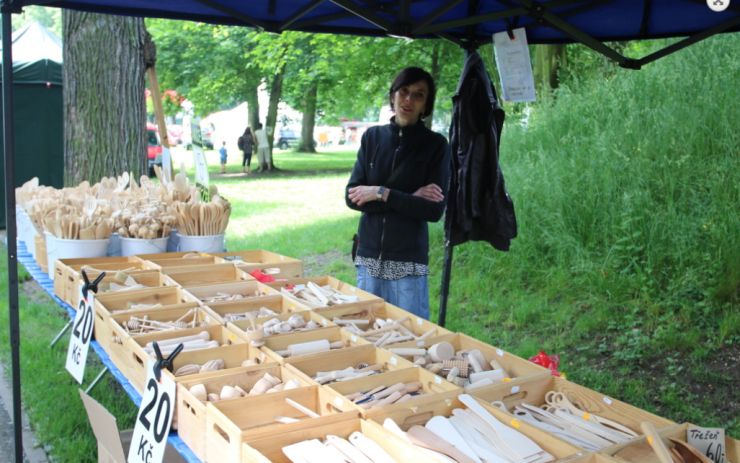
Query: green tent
x=38 y=115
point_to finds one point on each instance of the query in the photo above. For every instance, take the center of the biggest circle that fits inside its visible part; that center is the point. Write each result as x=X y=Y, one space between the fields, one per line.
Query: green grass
x=627 y=264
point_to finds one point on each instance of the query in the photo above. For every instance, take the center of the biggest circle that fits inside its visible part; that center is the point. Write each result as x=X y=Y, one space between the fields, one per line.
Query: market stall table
x=42 y=278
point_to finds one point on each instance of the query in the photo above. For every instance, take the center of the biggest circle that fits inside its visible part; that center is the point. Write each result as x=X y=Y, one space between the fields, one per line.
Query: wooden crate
x=435 y=389
x=241 y=326
x=164 y=260
x=638 y=450
x=379 y=309
x=67 y=276
x=111 y=335
x=406 y=417
x=141 y=299
x=276 y=265
x=246 y=289
x=279 y=304
x=191 y=412
x=233 y=351
x=280 y=342
x=533 y=392
x=200 y=275
x=39 y=243
x=146 y=278
x=338 y=285
x=269 y=449
x=350 y=357
x=518 y=369
x=230 y=423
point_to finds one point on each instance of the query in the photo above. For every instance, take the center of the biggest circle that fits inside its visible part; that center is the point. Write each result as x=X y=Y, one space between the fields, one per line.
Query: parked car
x=153 y=148
x=286 y=138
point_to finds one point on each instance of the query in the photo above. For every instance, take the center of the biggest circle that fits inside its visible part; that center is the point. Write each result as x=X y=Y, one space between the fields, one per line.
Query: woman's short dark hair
x=410 y=76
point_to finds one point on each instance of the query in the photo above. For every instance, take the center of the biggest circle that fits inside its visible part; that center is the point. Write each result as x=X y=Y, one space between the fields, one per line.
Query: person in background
x=222 y=153
x=399 y=183
x=246 y=144
x=263 y=148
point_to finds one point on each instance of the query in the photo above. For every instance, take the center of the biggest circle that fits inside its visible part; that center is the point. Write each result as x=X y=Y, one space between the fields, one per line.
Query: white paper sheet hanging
x=514 y=66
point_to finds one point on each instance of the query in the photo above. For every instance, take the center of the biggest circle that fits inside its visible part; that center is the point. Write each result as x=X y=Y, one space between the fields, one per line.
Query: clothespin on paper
x=162 y=362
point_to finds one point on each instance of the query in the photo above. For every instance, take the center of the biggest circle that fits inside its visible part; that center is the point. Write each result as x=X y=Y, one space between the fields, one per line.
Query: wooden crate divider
x=269 y=449
x=278 y=266
x=533 y=392
x=230 y=423
x=435 y=389
x=191 y=412
x=337 y=285
x=280 y=342
x=350 y=357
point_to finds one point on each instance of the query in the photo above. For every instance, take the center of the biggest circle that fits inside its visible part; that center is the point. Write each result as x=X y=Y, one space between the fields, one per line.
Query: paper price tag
x=708 y=441
x=79 y=341
x=154 y=419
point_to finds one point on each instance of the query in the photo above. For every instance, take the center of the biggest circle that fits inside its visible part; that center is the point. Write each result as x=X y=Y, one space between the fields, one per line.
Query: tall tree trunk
x=276 y=90
x=253 y=106
x=104 y=107
x=548 y=59
x=309 y=119
x=435 y=72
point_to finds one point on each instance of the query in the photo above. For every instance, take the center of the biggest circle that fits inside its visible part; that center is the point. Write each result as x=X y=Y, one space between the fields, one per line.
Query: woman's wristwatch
x=380 y=192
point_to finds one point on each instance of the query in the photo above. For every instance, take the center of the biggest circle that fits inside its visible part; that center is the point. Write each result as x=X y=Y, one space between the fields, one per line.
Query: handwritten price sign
x=153 y=422
x=79 y=341
x=708 y=441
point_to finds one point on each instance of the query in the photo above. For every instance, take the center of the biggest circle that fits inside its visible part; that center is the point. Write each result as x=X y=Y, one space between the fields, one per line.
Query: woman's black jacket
x=403 y=160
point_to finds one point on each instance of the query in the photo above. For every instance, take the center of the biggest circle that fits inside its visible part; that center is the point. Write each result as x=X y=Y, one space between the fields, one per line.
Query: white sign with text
x=153 y=422
x=82 y=331
x=514 y=65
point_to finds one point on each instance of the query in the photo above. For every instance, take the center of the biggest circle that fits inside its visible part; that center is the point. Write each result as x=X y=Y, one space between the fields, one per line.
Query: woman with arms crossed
x=399 y=183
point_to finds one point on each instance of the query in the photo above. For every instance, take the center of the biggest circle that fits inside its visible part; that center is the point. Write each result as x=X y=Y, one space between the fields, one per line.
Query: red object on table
x=262 y=277
x=550 y=362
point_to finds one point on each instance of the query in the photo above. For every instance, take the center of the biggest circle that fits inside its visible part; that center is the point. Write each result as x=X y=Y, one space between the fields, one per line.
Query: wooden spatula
x=656 y=442
x=425 y=438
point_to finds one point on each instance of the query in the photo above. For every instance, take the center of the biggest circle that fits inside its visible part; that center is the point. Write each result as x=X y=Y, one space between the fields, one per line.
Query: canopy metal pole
x=444 y=291
x=9 y=152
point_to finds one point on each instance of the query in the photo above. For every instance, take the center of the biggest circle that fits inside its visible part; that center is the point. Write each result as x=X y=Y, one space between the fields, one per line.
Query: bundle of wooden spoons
x=203 y=219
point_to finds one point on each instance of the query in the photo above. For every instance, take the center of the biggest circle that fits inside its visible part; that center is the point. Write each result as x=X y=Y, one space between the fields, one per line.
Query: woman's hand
x=431 y=192
x=363 y=194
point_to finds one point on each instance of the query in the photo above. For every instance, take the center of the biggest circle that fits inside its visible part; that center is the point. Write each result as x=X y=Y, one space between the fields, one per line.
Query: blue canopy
x=466 y=22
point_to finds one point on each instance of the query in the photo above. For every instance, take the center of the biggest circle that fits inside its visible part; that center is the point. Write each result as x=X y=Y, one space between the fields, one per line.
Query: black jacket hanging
x=479 y=208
